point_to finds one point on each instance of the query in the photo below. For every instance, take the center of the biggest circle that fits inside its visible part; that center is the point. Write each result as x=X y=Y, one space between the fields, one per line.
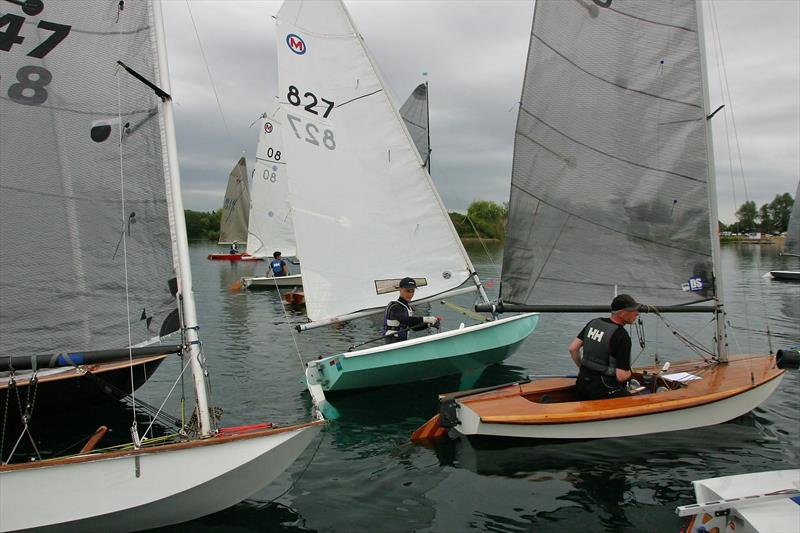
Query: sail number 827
x=312 y=133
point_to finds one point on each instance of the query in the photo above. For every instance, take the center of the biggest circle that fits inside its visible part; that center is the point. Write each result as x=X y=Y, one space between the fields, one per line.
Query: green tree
x=488 y=217
x=779 y=210
x=202 y=225
x=746 y=216
x=764 y=220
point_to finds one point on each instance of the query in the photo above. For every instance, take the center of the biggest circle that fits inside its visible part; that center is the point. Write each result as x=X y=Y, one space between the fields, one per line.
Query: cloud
x=474 y=53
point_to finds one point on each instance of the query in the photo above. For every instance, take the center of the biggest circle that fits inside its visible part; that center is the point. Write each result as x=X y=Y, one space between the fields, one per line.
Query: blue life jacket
x=277 y=267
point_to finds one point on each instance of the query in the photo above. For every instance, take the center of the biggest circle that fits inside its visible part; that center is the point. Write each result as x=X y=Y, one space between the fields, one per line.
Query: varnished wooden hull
x=547 y=409
x=71 y=388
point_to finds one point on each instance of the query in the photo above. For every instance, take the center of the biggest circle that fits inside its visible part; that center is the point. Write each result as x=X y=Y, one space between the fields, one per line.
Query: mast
x=428 y=122
x=721 y=336
x=181 y=244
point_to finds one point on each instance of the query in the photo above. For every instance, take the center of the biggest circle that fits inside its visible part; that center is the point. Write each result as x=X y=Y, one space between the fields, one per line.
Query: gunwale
x=210 y=441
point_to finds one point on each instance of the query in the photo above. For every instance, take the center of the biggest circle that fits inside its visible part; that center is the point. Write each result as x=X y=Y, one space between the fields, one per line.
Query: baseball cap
x=623 y=301
x=408 y=283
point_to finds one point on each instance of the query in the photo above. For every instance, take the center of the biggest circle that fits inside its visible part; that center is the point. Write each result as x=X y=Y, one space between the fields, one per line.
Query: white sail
x=365 y=211
x=271 y=225
x=236 y=206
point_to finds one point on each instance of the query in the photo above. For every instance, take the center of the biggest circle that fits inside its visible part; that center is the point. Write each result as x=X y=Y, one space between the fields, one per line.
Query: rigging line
x=629 y=235
x=124 y=219
x=291 y=329
x=303 y=471
x=597 y=150
x=166 y=397
x=723 y=74
x=208 y=70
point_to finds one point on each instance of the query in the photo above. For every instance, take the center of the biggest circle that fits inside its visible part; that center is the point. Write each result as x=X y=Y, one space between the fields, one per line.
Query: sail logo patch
x=296 y=44
x=268 y=127
x=595 y=334
x=694 y=284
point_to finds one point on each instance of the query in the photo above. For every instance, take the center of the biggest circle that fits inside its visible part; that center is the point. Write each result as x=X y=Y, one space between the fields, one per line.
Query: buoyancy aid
x=597 y=347
x=277 y=267
x=391 y=326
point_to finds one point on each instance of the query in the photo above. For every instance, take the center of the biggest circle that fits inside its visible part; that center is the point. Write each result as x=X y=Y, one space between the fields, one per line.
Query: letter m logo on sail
x=296 y=44
x=595 y=334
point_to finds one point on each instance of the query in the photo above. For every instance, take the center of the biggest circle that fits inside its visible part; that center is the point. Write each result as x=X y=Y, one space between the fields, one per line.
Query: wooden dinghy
x=548 y=409
x=295 y=297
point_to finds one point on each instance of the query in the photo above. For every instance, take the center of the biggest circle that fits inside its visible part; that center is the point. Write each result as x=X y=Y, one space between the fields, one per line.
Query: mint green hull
x=462 y=351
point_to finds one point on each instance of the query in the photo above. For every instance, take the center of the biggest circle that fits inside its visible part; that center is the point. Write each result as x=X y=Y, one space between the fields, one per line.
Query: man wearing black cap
x=398 y=317
x=606 y=362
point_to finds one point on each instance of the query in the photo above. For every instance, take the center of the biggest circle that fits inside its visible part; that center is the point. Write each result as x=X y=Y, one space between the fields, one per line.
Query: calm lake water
x=363 y=473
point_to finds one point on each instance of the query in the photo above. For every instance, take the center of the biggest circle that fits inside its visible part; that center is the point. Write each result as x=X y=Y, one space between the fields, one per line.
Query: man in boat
x=605 y=365
x=277 y=267
x=398 y=317
x=234 y=248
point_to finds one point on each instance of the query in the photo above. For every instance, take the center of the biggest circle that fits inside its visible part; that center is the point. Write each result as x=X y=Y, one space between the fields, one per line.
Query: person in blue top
x=234 y=248
x=398 y=317
x=605 y=364
x=277 y=267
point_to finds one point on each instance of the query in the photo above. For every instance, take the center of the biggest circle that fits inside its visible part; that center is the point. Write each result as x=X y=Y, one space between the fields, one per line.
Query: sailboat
x=92 y=121
x=235 y=211
x=357 y=184
x=271 y=226
x=613 y=192
x=764 y=502
x=791 y=246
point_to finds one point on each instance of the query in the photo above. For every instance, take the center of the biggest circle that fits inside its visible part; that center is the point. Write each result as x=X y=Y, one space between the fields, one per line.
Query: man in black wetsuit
x=605 y=365
x=398 y=317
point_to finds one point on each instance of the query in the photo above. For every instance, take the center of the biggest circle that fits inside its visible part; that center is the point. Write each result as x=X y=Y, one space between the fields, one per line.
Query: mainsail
x=236 y=206
x=610 y=185
x=271 y=226
x=415 y=116
x=356 y=182
x=69 y=194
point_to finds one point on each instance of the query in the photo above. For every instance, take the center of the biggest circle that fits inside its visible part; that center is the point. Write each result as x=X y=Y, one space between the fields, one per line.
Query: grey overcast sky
x=223 y=71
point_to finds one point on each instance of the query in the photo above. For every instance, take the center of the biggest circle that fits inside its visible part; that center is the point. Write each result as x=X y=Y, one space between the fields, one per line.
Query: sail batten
x=610 y=178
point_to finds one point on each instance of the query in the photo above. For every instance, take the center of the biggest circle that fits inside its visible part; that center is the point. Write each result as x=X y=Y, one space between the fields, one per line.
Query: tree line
x=772 y=217
x=484 y=219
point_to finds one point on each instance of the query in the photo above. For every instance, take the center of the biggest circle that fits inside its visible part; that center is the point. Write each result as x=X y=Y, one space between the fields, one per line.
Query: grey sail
x=236 y=206
x=83 y=187
x=791 y=245
x=415 y=115
x=610 y=179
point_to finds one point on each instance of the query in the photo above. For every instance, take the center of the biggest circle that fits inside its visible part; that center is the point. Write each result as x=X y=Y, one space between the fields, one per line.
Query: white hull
x=752 y=500
x=680 y=419
x=793 y=275
x=269 y=282
x=148 y=488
